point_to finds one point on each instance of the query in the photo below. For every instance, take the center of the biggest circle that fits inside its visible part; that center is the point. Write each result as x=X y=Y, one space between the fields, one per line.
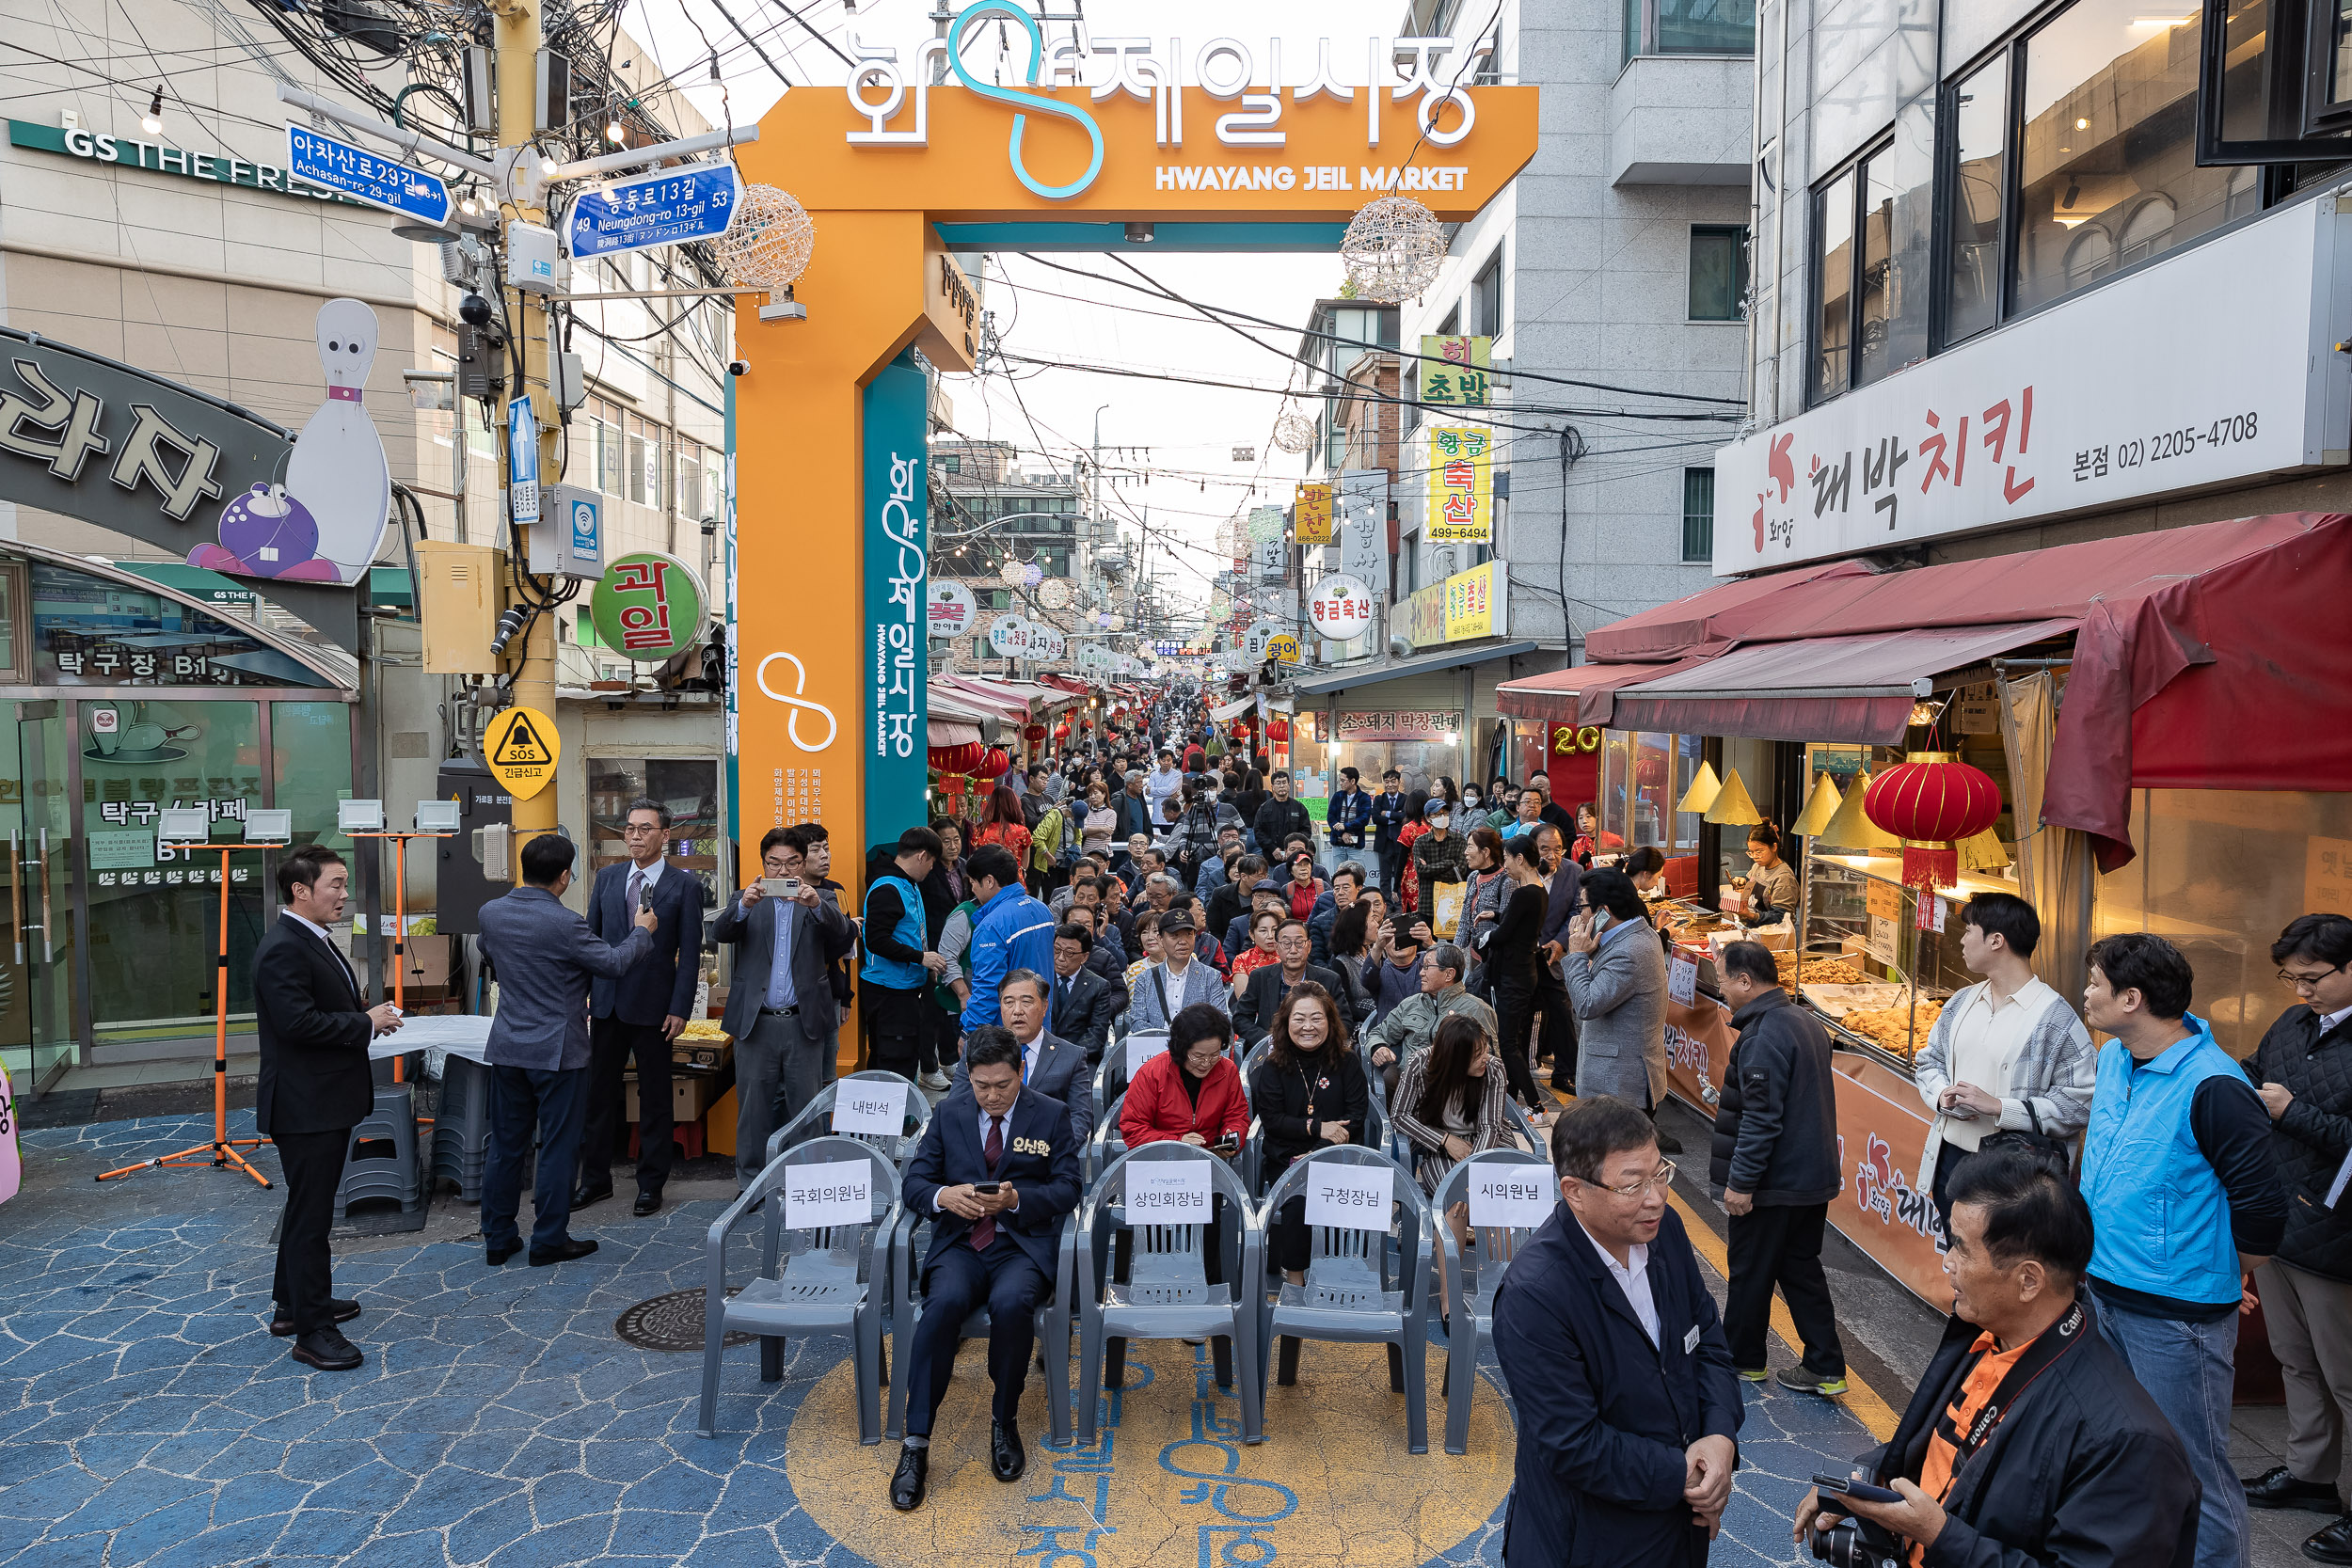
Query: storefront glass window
x=1653 y=778
x=2107 y=172
x=153 y=909
x=1616 y=773
x=310 y=752
x=689 y=786
x=90 y=631
x=1833 y=272
x=1686 y=768
x=1979 y=119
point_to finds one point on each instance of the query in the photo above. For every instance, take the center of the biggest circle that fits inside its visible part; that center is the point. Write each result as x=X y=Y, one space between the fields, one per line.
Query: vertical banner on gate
x=897 y=540
x=727 y=576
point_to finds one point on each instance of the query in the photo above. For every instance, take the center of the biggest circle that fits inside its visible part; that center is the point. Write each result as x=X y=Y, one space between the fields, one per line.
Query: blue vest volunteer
x=897 y=973
x=2164 y=1217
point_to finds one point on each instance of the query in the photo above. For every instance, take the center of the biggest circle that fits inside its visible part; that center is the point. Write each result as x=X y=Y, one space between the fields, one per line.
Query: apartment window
x=1487 y=295
x=1977 y=114
x=1719 y=272
x=1855 y=286
x=690 y=478
x=1690 y=27
x=609 y=450
x=1698 y=514
x=635 y=461
x=954 y=462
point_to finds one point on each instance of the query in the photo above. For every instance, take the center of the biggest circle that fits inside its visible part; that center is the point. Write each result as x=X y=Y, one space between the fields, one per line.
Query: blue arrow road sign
x=673 y=207
x=523 y=461
x=336 y=165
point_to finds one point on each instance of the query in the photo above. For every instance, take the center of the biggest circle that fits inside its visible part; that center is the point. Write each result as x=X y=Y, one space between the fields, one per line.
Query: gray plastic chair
x=1377 y=1136
x=815 y=1120
x=1475 y=1275
x=820 y=1281
x=461 y=1126
x=1166 y=1294
x=1108 y=1142
x=1358 y=1291
x=1050 y=1323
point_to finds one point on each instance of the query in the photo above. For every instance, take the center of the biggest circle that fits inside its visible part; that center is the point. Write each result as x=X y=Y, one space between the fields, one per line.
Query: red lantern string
x=1931 y=801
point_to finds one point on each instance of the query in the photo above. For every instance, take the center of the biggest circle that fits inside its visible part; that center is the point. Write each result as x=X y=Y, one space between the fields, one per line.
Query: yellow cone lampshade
x=1703 y=790
x=1819 y=807
x=1984 y=852
x=1732 y=806
x=1849 y=828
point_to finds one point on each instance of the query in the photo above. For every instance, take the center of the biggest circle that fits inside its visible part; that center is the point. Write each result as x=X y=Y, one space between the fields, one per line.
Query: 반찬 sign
x=2140 y=388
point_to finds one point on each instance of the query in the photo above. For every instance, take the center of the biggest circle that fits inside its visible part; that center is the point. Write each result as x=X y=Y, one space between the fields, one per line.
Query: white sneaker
x=935 y=1081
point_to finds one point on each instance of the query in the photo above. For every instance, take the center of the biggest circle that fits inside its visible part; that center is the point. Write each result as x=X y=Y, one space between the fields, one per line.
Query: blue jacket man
x=637 y=1014
x=1348 y=814
x=543 y=957
x=1010 y=931
x=993 y=1248
x=1622 y=1384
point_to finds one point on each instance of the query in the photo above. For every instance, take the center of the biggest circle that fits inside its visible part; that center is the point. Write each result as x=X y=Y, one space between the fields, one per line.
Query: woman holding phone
x=1190 y=1093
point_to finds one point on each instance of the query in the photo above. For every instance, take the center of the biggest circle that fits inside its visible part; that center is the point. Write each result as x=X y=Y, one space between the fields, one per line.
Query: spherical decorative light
x=1014 y=573
x=1031 y=575
x=1929 y=800
x=1292 y=433
x=1393 y=249
x=769 y=244
x=1054 y=593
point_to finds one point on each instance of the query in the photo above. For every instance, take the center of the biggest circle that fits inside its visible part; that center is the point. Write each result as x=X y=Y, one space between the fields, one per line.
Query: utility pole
x=518 y=42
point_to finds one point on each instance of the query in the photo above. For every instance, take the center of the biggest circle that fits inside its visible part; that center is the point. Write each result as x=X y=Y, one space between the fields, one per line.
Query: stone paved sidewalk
x=147 y=1418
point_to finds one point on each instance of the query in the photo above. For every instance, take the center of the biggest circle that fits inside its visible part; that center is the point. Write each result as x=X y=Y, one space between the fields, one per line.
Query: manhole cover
x=674 y=1322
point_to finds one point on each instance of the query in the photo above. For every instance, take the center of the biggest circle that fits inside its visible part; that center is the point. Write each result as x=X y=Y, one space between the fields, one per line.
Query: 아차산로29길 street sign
x=333 y=163
x=673 y=207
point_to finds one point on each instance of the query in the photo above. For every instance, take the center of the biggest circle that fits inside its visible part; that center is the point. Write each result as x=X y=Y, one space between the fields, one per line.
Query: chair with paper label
x=1512 y=1193
x=1367 y=1280
x=1050 y=1324
x=818 y=1119
x=1160 y=1196
x=1377 y=1138
x=833 y=1208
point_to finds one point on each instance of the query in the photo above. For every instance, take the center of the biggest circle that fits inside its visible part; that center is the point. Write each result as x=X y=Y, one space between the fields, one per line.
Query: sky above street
x=1168 y=447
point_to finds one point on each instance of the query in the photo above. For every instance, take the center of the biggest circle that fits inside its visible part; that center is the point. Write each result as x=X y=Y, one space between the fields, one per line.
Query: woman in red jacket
x=1192 y=1092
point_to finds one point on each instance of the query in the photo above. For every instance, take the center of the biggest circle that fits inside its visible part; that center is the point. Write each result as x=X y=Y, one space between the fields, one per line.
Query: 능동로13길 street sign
x=696 y=201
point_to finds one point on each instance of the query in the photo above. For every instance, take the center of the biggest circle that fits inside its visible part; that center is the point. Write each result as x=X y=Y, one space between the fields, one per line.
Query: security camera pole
x=520 y=176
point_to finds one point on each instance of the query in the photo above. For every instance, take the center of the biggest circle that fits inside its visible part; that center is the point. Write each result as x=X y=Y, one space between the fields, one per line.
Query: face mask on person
x=1469 y=802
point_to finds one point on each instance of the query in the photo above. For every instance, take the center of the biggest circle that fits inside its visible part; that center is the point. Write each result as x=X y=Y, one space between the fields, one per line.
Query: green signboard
x=649 y=606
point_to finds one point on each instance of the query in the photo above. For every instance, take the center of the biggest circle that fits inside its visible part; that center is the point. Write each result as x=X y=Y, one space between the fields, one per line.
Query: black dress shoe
x=907 y=1481
x=648 y=1203
x=1007 y=1458
x=572 y=1247
x=2332 y=1544
x=329 y=1350
x=583 y=1196
x=494 y=1256
x=283 y=1327
x=2277 y=1487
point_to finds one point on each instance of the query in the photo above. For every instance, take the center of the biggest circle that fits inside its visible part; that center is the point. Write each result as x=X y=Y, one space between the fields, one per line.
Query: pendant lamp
x=1819 y=807
x=1852 y=828
x=1703 y=790
x=1733 y=807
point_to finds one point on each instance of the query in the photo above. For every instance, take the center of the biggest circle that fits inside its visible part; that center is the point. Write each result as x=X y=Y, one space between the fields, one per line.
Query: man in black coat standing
x=1774 y=1161
x=1281 y=816
x=2028 y=1439
x=637 y=1014
x=314 y=1025
x=1627 y=1405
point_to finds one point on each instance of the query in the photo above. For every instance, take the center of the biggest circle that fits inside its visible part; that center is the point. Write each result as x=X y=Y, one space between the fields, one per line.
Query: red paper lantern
x=996 y=765
x=1649 y=772
x=1278 y=729
x=1034 y=734
x=1930 y=801
x=958 y=759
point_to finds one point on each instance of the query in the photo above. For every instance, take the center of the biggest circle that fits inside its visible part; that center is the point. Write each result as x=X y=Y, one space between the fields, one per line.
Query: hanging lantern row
x=1931 y=801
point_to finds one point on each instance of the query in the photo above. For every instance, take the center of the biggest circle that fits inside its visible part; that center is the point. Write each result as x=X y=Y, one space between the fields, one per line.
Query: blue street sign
x=334 y=165
x=673 y=207
x=523 y=461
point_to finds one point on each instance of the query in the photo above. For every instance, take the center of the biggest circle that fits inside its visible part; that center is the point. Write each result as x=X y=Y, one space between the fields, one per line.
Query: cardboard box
x=719 y=1125
x=691 y=1095
x=707 y=1055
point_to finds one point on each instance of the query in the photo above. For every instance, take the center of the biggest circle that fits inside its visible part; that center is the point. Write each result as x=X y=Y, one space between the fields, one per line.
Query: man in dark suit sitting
x=991 y=1248
x=1083 y=1003
x=1262 y=993
x=639 y=1013
x=315 y=1024
x=1053 y=1067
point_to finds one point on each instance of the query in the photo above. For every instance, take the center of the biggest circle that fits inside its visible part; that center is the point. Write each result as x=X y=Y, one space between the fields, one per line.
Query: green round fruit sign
x=649 y=606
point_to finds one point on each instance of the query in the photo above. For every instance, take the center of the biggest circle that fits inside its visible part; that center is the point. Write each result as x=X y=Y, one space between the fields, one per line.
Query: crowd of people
x=2108 y=1212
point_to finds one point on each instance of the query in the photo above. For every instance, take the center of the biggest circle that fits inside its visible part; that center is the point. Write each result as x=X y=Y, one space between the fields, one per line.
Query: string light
x=153 y=119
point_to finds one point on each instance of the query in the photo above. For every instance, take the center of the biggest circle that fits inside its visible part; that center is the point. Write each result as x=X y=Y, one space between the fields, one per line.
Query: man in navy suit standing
x=996 y=1172
x=640 y=1012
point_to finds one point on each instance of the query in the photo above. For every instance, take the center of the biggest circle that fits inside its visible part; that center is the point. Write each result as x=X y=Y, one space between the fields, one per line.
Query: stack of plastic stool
x=371 y=1170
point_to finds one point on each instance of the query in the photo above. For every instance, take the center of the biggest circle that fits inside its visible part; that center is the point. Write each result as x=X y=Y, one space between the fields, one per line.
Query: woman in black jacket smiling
x=1310 y=1091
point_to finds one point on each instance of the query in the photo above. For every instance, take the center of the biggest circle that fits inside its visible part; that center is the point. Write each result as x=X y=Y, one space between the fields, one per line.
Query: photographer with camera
x=2029 y=1441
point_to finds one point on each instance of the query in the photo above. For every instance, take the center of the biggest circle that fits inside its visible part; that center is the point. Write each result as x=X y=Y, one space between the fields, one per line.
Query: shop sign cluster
x=1457 y=371
x=1461 y=485
x=1468 y=604
x=1310 y=513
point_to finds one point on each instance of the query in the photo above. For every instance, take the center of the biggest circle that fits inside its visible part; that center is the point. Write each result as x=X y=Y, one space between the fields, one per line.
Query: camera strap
x=2048 y=1346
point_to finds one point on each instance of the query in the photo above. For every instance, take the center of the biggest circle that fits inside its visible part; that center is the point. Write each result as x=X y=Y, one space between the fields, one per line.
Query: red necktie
x=984 y=1229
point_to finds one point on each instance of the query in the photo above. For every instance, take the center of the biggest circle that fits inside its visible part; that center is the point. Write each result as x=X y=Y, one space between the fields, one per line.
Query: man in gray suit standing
x=542 y=955
x=780 y=1008
x=1052 y=1066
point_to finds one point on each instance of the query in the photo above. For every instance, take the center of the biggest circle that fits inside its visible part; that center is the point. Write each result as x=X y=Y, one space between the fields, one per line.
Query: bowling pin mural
x=325 y=522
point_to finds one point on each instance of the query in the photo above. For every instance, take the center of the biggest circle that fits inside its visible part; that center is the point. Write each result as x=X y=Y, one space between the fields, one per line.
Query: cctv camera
x=474 y=310
x=739 y=367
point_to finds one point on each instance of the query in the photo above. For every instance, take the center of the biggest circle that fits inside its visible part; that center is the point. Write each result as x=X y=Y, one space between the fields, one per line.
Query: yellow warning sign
x=521 y=748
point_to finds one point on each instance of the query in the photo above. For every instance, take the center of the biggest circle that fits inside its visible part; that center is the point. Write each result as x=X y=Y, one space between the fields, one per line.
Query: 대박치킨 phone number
x=2227 y=431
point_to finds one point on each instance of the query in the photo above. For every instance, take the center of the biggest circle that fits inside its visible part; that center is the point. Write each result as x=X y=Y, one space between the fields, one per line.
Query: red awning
x=2207 y=657
x=1855 y=688
x=1579 y=695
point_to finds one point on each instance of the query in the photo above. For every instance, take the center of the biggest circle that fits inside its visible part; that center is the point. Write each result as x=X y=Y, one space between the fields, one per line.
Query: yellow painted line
x=1860 y=1398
